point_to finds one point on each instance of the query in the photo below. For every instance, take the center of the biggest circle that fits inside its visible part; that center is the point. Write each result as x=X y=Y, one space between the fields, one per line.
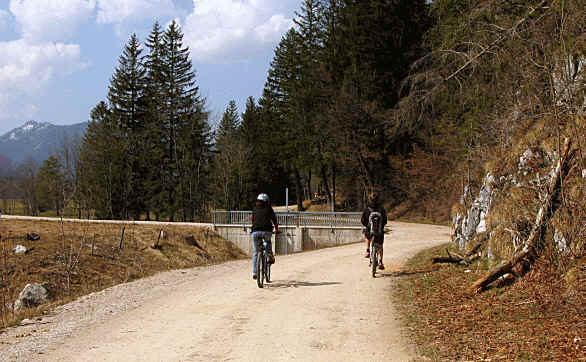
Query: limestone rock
x=31 y=296
x=20 y=250
x=466 y=226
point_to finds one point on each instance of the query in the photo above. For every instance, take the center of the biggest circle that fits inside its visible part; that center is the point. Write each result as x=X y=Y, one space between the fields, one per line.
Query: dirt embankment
x=75 y=259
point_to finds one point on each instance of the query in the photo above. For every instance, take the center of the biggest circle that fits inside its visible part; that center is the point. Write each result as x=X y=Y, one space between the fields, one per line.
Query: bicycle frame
x=262 y=265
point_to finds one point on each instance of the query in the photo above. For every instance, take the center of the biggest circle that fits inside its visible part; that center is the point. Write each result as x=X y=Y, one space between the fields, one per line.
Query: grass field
x=539 y=318
x=16 y=207
x=76 y=259
x=12 y=207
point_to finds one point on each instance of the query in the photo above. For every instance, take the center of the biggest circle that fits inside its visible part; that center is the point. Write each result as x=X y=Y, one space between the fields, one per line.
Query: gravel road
x=322 y=306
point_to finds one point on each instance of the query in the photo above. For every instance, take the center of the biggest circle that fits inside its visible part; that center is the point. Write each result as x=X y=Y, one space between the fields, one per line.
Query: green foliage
x=332 y=83
x=147 y=150
x=229 y=161
x=50 y=186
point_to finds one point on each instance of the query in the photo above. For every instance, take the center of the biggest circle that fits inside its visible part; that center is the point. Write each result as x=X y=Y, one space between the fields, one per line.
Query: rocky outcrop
x=533 y=171
x=474 y=221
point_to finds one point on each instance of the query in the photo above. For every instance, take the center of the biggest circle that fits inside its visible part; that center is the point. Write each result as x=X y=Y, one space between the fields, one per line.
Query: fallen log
x=455 y=258
x=533 y=243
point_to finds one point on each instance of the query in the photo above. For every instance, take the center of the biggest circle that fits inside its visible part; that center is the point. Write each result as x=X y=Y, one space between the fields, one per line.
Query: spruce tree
x=102 y=164
x=252 y=135
x=186 y=139
x=126 y=99
x=50 y=186
x=278 y=108
x=229 y=160
x=155 y=133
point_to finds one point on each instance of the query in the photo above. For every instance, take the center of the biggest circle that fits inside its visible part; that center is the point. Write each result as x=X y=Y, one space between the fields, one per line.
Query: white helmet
x=263 y=197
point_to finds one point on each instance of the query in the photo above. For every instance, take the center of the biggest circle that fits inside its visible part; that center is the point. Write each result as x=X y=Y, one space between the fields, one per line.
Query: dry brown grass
x=76 y=259
x=539 y=318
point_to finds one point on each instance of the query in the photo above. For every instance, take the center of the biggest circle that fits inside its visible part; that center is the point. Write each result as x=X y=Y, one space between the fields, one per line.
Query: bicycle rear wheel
x=259 y=269
x=374 y=259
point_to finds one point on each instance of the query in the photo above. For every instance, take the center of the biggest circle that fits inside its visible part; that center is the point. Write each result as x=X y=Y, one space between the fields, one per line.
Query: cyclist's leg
x=367 y=237
x=380 y=252
x=268 y=235
x=256 y=236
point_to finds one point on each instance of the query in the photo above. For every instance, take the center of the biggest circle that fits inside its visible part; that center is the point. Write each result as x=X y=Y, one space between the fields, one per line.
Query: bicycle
x=263 y=267
x=374 y=257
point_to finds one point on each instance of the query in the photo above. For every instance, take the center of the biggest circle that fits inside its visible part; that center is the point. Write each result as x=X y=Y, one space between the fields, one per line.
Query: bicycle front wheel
x=259 y=269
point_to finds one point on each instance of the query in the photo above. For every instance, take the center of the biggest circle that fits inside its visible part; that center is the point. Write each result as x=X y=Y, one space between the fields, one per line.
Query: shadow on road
x=297 y=284
x=405 y=272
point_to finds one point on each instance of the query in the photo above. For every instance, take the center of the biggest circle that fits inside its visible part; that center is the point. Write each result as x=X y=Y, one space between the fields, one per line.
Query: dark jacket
x=263 y=218
x=367 y=211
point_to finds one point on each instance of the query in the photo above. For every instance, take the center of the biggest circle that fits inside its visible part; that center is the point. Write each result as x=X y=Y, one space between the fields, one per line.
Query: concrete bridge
x=299 y=230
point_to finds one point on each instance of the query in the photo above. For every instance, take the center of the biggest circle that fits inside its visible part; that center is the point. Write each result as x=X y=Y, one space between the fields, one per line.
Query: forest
x=412 y=99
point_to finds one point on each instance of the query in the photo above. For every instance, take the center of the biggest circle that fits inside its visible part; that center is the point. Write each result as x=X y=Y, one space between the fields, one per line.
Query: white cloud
x=50 y=20
x=26 y=68
x=4 y=16
x=119 y=11
x=233 y=30
x=273 y=30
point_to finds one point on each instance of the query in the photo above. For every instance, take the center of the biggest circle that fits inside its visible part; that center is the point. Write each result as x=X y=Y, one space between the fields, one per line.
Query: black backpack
x=375 y=223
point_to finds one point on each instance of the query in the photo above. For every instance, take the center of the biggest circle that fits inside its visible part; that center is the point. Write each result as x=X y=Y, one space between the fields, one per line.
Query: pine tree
x=369 y=47
x=229 y=160
x=127 y=104
x=155 y=133
x=184 y=120
x=50 y=186
x=252 y=136
x=309 y=97
x=286 y=121
x=102 y=165
x=126 y=89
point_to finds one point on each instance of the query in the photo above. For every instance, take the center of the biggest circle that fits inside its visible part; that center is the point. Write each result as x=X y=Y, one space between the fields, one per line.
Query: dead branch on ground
x=456 y=258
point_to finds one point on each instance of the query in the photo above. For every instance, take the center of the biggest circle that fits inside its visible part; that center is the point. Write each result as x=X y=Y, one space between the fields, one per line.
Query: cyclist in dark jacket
x=374 y=205
x=263 y=218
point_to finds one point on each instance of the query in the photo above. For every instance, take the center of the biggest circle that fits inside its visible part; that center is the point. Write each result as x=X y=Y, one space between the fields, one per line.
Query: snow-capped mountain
x=38 y=140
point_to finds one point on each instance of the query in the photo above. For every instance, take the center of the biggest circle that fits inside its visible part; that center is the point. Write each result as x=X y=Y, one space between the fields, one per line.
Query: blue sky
x=57 y=56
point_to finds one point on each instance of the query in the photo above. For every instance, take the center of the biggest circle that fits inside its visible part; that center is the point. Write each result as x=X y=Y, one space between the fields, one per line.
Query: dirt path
x=323 y=305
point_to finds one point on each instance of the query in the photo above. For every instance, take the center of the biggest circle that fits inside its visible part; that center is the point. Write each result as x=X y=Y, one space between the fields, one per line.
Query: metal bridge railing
x=331 y=219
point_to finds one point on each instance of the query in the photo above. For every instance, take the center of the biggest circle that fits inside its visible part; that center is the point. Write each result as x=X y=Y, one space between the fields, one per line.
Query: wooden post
x=122 y=236
x=156 y=245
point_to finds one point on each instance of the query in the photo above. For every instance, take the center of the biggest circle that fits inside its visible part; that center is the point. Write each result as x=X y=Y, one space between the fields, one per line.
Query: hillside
x=77 y=259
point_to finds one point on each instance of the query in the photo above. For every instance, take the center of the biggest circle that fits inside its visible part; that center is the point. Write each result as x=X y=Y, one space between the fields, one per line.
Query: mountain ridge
x=37 y=140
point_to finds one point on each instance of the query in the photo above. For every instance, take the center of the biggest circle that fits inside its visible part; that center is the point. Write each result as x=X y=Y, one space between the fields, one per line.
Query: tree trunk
x=533 y=243
x=333 y=186
x=309 y=191
x=298 y=190
x=324 y=177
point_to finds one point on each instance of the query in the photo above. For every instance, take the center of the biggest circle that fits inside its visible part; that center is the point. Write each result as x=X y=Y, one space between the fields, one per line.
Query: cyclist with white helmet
x=263 y=218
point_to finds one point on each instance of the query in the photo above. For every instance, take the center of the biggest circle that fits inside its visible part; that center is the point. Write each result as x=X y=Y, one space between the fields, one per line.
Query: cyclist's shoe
x=367 y=255
x=381 y=266
x=271 y=259
x=254 y=277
